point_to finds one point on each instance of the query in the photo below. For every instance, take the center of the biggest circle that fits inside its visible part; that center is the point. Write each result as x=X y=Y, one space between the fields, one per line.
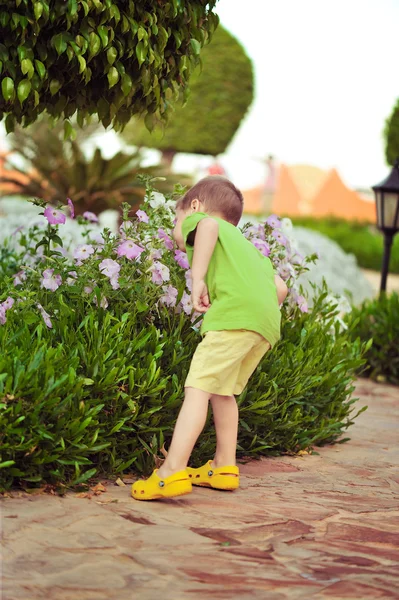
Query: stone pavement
x=322 y=526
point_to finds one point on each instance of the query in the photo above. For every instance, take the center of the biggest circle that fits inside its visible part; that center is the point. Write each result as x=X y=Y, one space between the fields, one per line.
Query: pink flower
x=302 y=304
x=181 y=259
x=129 y=249
x=97 y=238
x=142 y=216
x=46 y=316
x=87 y=289
x=109 y=267
x=189 y=280
x=7 y=304
x=54 y=216
x=83 y=251
x=285 y=271
x=160 y=273
x=280 y=237
x=155 y=254
x=166 y=239
x=90 y=216
x=186 y=303
x=170 y=296
x=19 y=278
x=256 y=230
x=103 y=302
x=3 y=318
x=273 y=221
x=50 y=281
x=71 y=207
x=72 y=277
x=262 y=246
x=114 y=281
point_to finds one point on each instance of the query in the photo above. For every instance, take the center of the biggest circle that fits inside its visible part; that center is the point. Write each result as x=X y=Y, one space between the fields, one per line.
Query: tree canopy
x=220 y=94
x=113 y=59
x=391 y=135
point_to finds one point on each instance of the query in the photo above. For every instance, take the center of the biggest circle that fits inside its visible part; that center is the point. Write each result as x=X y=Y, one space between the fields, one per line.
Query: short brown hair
x=217 y=194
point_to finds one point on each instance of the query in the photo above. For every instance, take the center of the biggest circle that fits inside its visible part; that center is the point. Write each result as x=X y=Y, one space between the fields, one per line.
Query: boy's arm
x=205 y=241
x=282 y=289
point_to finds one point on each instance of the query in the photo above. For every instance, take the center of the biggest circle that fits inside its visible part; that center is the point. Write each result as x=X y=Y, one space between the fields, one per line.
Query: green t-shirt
x=240 y=283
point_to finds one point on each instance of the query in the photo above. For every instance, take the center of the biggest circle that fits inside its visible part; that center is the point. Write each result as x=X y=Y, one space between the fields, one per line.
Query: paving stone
x=320 y=526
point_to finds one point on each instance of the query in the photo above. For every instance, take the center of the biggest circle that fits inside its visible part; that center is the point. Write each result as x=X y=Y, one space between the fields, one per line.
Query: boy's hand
x=200 y=296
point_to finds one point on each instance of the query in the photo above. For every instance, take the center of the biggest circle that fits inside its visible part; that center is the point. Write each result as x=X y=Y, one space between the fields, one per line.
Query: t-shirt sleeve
x=189 y=226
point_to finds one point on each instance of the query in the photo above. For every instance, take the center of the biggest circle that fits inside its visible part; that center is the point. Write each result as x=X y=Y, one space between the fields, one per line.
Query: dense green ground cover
x=379 y=319
x=361 y=239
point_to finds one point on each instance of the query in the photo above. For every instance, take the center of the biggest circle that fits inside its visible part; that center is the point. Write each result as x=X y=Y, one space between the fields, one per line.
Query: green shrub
x=361 y=239
x=93 y=362
x=379 y=320
x=112 y=59
x=391 y=135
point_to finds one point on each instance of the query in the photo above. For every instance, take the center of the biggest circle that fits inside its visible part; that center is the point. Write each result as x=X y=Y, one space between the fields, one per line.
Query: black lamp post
x=387 y=204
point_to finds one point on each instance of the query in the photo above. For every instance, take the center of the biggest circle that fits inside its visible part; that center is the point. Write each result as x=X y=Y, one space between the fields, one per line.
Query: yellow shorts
x=225 y=360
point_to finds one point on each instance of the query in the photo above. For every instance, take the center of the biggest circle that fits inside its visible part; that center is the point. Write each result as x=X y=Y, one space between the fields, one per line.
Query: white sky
x=327 y=77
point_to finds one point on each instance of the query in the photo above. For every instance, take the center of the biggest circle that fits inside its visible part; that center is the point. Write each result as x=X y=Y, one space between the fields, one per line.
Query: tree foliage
x=113 y=59
x=220 y=95
x=391 y=136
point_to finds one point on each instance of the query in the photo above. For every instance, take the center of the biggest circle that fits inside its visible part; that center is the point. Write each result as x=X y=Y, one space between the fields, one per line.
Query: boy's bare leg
x=225 y=414
x=189 y=424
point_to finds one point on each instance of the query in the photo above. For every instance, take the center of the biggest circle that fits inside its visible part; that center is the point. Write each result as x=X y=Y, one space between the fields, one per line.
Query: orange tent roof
x=253 y=201
x=287 y=199
x=335 y=199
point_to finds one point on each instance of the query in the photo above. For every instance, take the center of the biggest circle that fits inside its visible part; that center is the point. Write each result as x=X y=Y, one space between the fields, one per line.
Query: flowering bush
x=96 y=340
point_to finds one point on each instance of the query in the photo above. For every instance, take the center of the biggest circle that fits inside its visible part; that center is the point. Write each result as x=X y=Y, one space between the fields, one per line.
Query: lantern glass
x=391 y=211
x=379 y=198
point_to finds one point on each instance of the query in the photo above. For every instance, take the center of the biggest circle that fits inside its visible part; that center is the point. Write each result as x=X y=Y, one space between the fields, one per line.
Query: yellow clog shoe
x=219 y=478
x=155 y=488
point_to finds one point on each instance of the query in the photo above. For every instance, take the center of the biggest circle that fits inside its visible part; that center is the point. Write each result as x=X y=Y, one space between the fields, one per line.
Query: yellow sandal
x=154 y=487
x=219 y=478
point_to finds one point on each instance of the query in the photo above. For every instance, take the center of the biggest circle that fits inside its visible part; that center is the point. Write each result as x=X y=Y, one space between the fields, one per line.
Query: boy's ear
x=195 y=205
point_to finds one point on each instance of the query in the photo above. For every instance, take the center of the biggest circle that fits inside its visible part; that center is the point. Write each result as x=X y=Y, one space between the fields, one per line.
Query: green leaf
x=38 y=10
x=149 y=121
x=7 y=463
x=141 y=52
x=59 y=43
x=113 y=77
x=94 y=44
x=10 y=123
x=55 y=86
x=195 y=45
x=84 y=477
x=126 y=84
x=40 y=68
x=27 y=68
x=103 y=33
x=7 y=89
x=112 y=54
x=82 y=63
x=23 y=90
x=115 y=13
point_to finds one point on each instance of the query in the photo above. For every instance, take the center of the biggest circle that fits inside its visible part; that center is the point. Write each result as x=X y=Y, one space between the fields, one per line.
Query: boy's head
x=214 y=195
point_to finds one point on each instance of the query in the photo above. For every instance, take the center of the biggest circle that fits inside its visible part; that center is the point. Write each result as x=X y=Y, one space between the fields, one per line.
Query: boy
x=234 y=285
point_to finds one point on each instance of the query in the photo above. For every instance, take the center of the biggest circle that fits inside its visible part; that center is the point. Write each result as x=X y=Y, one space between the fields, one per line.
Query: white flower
x=156 y=200
x=286 y=225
